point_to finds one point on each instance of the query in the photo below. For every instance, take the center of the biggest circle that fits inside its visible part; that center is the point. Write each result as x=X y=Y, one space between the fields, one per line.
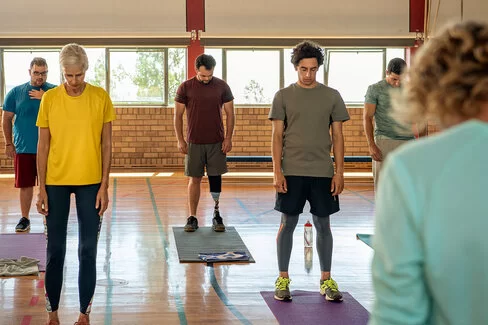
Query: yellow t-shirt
x=75 y=124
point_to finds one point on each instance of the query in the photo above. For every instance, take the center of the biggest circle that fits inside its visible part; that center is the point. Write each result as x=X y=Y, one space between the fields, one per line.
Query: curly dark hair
x=307 y=50
x=205 y=60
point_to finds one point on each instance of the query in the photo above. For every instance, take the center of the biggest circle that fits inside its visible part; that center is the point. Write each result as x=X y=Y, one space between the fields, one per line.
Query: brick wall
x=144 y=138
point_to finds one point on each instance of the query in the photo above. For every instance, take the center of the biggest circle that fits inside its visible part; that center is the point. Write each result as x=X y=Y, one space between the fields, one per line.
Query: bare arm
x=338 y=148
x=102 y=195
x=230 y=122
x=368 y=115
x=7 y=118
x=106 y=153
x=277 y=153
x=43 y=146
x=178 y=125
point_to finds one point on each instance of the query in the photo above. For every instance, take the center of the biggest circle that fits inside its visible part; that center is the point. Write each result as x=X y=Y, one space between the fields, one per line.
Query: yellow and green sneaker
x=282 y=289
x=330 y=290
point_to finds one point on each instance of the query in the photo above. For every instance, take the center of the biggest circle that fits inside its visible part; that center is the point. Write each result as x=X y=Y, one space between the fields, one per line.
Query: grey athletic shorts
x=209 y=156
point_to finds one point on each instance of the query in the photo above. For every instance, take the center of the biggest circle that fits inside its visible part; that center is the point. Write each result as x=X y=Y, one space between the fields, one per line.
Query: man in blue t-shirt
x=22 y=102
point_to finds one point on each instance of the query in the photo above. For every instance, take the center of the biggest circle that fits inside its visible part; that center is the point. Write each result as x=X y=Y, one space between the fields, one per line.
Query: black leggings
x=285 y=241
x=89 y=223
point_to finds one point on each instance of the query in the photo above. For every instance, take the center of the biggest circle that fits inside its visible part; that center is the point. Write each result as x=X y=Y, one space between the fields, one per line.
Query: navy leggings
x=89 y=223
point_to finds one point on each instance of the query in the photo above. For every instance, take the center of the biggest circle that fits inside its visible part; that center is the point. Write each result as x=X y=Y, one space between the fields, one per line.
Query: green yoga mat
x=205 y=240
x=366 y=238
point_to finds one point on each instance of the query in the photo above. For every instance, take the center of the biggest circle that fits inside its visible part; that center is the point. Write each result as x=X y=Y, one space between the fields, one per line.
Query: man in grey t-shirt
x=386 y=134
x=302 y=115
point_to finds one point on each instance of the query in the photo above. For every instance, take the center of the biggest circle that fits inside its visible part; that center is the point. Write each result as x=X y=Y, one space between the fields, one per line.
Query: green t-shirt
x=379 y=95
x=307 y=114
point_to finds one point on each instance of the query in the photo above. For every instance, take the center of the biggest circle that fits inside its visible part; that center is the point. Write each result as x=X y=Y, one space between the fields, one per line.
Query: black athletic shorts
x=302 y=188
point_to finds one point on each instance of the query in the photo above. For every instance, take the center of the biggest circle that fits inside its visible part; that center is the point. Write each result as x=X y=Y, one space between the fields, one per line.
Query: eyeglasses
x=37 y=73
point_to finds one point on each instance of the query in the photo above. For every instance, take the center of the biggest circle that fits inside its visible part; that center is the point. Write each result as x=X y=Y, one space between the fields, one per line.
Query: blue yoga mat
x=366 y=238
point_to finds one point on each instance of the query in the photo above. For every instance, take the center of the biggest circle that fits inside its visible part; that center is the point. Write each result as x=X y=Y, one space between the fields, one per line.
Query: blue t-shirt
x=25 y=109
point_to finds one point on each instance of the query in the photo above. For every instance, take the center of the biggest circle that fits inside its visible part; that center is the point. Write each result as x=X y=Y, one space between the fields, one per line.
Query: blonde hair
x=73 y=54
x=448 y=79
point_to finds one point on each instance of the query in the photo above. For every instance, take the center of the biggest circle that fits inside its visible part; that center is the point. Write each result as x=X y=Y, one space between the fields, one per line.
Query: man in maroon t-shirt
x=206 y=145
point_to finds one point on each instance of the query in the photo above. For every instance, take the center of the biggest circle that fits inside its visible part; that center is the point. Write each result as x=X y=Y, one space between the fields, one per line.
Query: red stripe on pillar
x=40 y=284
x=417 y=13
x=195 y=15
x=194 y=50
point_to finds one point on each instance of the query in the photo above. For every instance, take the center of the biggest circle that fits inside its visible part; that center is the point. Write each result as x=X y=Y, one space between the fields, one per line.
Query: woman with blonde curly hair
x=430 y=261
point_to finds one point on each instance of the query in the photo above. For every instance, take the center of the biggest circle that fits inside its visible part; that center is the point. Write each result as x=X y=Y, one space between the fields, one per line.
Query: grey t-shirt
x=379 y=95
x=307 y=114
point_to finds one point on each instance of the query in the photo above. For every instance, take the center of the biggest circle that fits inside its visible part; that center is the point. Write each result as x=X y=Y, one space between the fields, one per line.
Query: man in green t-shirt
x=385 y=134
x=303 y=115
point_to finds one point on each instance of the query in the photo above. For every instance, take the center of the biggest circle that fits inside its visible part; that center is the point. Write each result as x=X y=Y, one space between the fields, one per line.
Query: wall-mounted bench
x=260 y=159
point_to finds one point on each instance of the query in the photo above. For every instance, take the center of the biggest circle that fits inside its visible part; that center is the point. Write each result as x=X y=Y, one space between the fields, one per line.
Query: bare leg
x=194 y=194
x=26 y=194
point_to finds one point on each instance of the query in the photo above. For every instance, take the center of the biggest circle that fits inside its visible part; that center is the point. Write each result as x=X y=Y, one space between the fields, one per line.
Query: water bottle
x=308 y=254
x=308 y=234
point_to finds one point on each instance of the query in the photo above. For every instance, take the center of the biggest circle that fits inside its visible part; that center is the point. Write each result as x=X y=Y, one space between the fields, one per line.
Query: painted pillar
x=195 y=24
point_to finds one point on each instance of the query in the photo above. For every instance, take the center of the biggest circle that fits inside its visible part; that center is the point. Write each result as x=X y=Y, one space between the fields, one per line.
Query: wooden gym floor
x=140 y=280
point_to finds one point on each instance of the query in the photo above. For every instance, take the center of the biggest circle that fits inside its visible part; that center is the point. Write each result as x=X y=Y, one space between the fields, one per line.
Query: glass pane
x=17 y=64
x=352 y=72
x=392 y=53
x=217 y=55
x=253 y=76
x=95 y=74
x=176 y=71
x=290 y=73
x=137 y=77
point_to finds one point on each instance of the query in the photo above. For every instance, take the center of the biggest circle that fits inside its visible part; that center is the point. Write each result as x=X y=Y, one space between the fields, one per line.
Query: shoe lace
x=331 y=284
x=282 y=283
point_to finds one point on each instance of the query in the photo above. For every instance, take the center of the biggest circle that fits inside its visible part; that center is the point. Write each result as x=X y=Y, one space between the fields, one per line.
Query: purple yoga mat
x=29 y=245
x=309 y=307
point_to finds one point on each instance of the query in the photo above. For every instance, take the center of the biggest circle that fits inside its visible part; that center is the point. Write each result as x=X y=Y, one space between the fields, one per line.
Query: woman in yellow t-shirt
x=74 y=155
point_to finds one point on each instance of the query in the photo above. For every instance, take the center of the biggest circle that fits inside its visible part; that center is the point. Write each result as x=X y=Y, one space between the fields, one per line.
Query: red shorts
x=25 y=170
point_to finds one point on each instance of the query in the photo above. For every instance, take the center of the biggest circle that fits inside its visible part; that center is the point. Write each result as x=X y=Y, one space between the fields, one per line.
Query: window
x=253 y=76
x=96 y=73
x=137 y=76
x=352 y=71
x=217 y=55
x=17 y=64
x=392 y=53
x=176 y=71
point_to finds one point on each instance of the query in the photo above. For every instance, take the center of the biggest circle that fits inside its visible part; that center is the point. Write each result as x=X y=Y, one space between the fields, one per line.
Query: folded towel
x=22 y=266
x=223 y=256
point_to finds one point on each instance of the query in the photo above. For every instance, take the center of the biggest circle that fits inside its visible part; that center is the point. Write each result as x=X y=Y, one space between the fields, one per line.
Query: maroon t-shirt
x=204 y=104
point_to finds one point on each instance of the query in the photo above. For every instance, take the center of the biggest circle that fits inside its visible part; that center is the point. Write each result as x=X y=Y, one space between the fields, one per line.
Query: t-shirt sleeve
x=9 y=104
x=43 y=115
x=398 y=276
x=371 y=96
x=339 y=111
x=109 y=110
x=277 y=111
x=181 y=94
x=227 y=96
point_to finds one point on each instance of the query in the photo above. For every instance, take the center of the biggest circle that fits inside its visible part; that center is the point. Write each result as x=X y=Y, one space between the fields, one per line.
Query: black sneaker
x=217 y=223
x=23 y=225
x=191 y=224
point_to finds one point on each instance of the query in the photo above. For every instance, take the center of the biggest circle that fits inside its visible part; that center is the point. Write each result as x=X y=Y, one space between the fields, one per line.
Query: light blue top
x=25 y=109
x=431 y=252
